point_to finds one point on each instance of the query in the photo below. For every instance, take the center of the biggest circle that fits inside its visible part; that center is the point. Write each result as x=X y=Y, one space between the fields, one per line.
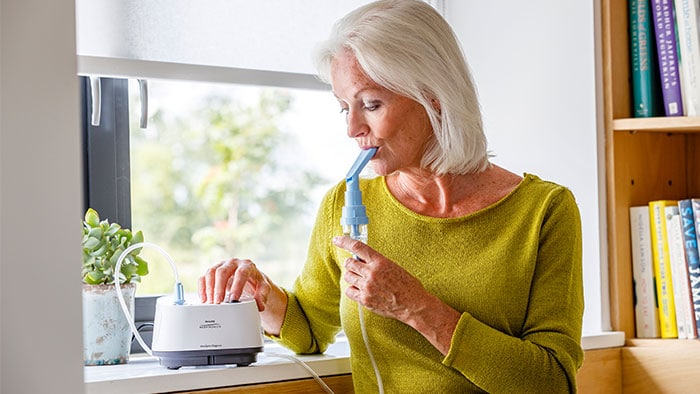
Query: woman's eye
x=371 y=106
x=344 y=111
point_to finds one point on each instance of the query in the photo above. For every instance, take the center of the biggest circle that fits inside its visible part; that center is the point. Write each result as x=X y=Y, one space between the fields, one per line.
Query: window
x=226 y=170
x=221 y=171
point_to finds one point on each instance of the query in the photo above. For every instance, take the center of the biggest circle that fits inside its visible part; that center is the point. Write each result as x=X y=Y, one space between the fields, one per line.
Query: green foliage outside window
x=207 y=184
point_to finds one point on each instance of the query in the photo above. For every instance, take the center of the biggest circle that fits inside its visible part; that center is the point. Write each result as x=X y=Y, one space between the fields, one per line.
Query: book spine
x=667 y=53
x=662 y=269
x=679 y=274
x=643 y=58
x=646 y=310
x=687 y=14
x=692 y=256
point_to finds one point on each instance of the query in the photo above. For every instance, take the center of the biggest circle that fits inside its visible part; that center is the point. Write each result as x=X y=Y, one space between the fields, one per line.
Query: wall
x=534 y=66
x=40 y=206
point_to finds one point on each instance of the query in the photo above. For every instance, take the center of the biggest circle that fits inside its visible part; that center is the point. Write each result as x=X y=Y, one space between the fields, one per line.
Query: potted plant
x=106 y=331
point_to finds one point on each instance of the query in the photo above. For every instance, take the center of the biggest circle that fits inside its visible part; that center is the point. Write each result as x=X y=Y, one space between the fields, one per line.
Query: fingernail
x=336 y=240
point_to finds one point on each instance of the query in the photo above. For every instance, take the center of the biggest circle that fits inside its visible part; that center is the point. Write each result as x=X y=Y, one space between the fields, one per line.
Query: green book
x=644 y=71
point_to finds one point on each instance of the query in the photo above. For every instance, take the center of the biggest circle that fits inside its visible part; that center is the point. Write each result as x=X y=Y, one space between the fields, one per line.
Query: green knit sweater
x=512 y=269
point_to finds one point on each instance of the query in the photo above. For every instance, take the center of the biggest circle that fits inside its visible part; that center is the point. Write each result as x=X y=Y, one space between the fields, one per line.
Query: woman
x=471 y=279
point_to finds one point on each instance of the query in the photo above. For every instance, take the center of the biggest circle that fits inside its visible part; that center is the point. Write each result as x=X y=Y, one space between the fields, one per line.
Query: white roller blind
x=268 y=35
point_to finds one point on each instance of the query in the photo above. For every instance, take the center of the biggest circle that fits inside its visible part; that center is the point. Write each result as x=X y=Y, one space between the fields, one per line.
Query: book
x=687 y=19
x=646 y=310
x=685 y=321
x=644 y=69
x=667 y=54
x=662 y=268
x=692 y=255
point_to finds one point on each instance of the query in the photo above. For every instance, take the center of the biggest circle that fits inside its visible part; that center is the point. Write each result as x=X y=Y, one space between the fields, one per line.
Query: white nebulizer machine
x=355 y=221
x=196 y=334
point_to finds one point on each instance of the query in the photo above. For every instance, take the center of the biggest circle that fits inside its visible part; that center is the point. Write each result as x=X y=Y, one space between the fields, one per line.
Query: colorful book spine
x=685 y=321
x=644 y=67
x=646 y=311
x=692 y=255
x=662 y=268
x=687 y=19
x=667 y=53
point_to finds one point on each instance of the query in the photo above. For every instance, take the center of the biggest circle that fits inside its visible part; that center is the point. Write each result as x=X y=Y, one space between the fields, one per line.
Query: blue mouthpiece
x=354 y=212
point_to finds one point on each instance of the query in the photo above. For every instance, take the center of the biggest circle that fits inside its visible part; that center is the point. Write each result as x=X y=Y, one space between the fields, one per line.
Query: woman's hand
x=387 y=289
x=379 y=284
x=229 y=280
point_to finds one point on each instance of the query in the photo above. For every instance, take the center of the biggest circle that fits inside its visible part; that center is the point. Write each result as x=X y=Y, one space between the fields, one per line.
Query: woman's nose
x=357 y=126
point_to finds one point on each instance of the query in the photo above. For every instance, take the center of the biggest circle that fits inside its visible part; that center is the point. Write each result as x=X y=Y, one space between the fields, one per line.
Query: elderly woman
x=471 y=280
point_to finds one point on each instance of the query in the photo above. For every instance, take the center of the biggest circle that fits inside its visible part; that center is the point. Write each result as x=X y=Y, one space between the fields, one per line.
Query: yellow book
x=662 y=268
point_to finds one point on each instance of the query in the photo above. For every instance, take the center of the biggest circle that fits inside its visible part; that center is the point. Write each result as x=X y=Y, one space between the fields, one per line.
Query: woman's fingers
x=215 y=284
x=376 y=282
x=229 y=280
x=357 y=248
x=206 y=282
x=244 y=274
x=202 y=289
x=221 y=279
x=227 y=294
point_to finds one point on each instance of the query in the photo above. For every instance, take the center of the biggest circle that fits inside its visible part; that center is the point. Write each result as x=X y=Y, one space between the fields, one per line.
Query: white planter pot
x=106 y=331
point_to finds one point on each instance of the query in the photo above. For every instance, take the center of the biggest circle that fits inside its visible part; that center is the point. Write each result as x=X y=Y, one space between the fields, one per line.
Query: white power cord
x=305 y=366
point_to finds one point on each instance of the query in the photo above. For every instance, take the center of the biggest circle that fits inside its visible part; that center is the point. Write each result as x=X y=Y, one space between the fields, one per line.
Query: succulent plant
x=103 y=243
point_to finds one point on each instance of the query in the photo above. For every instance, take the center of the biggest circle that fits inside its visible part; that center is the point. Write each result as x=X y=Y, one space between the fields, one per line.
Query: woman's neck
x=451 y=195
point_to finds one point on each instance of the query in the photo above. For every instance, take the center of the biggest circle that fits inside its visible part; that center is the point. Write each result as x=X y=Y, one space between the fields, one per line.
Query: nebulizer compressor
x=196 y=334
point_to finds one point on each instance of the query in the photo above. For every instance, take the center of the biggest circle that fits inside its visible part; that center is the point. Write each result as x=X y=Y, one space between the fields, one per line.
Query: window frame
x=106 y=160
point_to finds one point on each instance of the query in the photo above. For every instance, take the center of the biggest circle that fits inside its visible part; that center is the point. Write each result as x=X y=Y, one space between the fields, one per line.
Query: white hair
x=407 y=47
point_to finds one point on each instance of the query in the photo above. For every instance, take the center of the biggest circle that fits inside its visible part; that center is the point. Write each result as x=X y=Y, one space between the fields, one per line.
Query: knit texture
x=513 y=269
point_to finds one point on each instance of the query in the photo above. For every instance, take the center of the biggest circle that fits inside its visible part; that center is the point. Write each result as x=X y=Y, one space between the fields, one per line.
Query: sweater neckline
x=527 y=179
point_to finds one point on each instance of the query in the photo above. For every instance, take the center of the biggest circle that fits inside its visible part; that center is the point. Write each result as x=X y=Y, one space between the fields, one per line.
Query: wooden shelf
x=660 y=366
x=678 y=124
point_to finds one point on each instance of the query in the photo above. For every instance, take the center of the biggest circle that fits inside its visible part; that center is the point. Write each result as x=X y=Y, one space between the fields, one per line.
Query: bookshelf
x=647 y=159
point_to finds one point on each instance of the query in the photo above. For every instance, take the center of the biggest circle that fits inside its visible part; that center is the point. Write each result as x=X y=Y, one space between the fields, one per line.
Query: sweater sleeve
x=546 y=354
x=312 y=320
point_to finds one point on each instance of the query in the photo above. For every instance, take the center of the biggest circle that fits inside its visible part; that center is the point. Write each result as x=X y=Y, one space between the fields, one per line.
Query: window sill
x=143 y=374
x=603 y=340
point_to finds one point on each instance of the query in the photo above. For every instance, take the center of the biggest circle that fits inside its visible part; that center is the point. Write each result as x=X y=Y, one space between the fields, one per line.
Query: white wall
x=40 y=199
x=534 y=65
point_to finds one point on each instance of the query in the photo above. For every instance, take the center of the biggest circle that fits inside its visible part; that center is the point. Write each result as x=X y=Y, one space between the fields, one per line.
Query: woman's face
x=377 y=117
